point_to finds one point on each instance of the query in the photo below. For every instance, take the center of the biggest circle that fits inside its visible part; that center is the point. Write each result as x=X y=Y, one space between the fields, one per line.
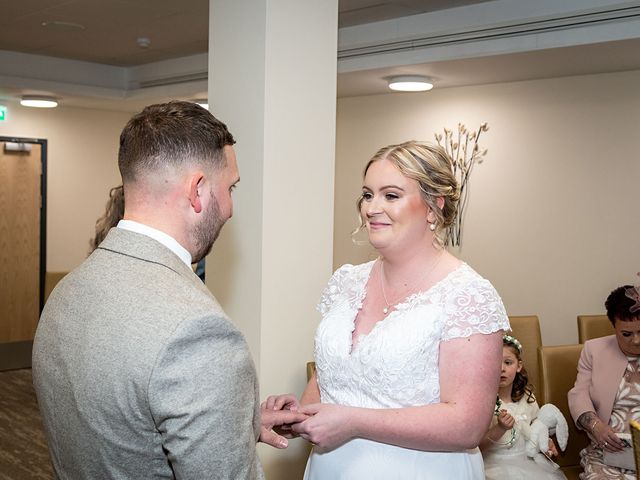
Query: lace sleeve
x=474 y=308
x=334 y=289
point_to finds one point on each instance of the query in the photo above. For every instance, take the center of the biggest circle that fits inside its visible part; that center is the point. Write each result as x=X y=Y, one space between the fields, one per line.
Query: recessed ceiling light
x=143 y=42
x=38 y=101
x=410 y=83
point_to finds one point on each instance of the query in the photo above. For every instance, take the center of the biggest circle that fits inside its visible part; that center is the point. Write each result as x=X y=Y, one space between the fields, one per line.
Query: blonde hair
x=431 y=167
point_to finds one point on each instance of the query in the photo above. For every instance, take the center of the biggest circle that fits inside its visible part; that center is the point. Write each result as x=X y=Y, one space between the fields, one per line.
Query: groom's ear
x=195 y=189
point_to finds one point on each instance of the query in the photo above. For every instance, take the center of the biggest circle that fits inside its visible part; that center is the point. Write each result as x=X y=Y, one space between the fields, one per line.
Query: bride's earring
x=432 y=226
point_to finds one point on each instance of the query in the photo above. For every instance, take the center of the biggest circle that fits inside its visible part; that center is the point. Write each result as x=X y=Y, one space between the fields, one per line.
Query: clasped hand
x=277 y=414
x=325 y=425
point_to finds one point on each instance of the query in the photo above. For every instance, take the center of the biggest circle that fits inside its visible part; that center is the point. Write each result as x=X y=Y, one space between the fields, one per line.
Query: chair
x=311 y=368
x=635 y=436
x=51 y=279
x=558 y=371
x=527 y=330
x=593 y=326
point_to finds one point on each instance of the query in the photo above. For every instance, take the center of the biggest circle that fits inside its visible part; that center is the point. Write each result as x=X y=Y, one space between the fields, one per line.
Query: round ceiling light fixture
x=143 y=42
x=410 y=83
x=38 y=101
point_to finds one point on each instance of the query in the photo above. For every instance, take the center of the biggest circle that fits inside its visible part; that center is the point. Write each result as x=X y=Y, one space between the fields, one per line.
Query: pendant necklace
x=386 y=309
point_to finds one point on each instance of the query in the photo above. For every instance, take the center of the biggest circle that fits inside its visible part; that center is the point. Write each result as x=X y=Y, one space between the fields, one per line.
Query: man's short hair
x=171 y=134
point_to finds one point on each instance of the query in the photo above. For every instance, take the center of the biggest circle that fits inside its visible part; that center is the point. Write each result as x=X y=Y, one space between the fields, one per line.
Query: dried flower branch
x=465 y=152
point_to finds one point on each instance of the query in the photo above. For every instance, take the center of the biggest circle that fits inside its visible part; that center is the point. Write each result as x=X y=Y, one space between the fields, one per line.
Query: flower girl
x=505 y=444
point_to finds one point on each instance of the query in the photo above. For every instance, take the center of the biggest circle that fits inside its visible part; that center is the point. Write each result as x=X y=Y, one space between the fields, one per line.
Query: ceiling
x=107 y=31
x=606 y=57
x=113 y=32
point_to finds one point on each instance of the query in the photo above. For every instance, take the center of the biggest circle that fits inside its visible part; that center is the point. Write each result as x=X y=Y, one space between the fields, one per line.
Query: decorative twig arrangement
x=465 y=152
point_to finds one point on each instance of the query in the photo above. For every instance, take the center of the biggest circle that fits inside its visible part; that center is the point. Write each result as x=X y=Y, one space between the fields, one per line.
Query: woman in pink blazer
x=606 y=394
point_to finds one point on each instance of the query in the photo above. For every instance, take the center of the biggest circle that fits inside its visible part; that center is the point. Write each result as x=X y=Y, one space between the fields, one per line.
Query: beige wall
x=81 y=168
x=552 y=220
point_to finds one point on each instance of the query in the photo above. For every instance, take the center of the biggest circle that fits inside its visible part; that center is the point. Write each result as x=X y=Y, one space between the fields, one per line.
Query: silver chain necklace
x=386 y=309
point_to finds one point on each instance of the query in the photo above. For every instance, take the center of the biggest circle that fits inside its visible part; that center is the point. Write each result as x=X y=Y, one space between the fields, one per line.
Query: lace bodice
x=396 y=364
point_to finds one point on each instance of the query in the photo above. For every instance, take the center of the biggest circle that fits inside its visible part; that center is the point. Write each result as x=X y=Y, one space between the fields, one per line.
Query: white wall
x=552 y=220
x=274 y=257
x=82 y=166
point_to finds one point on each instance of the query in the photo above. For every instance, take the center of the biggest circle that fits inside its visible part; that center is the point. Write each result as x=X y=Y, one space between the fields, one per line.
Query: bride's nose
x=372 y=207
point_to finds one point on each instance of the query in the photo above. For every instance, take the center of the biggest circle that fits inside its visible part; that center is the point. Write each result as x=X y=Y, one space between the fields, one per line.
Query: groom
x=138 y=371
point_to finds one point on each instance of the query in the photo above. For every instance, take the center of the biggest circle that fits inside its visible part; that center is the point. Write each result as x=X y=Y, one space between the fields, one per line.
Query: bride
x=409 y=348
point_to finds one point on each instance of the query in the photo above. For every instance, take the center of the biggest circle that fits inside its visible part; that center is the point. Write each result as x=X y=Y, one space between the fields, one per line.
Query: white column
x=272 y=80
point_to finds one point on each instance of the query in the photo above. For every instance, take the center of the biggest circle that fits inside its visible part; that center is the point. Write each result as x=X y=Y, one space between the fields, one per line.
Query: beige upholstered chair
x=558 y=370
x=51 y=279
x=311 y=368
x=593 y=326
x=527 y=330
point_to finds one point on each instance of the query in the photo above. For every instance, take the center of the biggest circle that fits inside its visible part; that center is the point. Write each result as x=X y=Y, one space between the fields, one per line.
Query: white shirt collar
x=166 y=240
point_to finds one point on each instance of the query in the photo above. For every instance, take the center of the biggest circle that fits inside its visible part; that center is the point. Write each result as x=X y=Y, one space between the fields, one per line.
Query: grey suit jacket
x=139 y=373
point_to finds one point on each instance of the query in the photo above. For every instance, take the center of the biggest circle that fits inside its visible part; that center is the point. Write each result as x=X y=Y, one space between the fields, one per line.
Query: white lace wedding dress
x=396 y=365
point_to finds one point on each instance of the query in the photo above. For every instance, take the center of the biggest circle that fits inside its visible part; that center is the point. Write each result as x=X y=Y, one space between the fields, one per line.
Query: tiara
x=508 y=339
x=634 y=294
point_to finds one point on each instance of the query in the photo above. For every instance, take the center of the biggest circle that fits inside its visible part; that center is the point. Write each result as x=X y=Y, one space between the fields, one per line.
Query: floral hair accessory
x=513 y=341
x=634 y=294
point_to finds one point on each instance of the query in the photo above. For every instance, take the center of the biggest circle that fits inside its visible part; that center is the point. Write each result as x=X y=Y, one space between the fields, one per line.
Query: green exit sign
x=3 y=113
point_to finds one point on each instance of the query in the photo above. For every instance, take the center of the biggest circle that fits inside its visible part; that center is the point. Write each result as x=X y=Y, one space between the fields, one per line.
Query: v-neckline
x=353 y=346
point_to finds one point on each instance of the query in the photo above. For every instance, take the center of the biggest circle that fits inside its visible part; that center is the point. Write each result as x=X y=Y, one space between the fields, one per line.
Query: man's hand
x=276 y=426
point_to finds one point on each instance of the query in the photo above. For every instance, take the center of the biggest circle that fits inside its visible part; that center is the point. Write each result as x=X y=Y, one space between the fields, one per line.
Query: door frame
x=15 y=355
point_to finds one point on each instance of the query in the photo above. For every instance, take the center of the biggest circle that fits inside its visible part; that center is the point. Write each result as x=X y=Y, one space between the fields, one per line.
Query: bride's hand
x=285 y=401
x=276 y=426
x=328 y=427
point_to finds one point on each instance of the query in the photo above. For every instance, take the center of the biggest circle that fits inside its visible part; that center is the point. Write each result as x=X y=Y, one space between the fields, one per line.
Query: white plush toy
x=549 y=419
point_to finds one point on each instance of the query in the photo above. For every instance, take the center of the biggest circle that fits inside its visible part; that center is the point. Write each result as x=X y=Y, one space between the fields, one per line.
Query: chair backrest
x=527 y=330
x=635 y=436
x=311 y=368
x=558 y=370
x=51 y=279
x=593 y=326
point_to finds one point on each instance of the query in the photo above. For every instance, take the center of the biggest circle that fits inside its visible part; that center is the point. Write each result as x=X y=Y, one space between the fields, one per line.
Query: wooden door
x=20 y=200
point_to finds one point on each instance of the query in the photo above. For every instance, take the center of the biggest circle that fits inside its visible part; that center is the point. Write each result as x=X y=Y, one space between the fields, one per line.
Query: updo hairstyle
x=431 y=167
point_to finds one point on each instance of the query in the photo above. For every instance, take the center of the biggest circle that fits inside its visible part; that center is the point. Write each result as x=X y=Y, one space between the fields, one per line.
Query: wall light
x=38 y=101
x=410 y=83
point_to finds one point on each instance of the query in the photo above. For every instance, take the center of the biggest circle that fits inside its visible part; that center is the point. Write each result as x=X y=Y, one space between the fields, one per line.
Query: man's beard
x=206 y=232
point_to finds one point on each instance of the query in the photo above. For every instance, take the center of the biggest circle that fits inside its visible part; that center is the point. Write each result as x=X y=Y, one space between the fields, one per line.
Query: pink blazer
x=600 y=369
